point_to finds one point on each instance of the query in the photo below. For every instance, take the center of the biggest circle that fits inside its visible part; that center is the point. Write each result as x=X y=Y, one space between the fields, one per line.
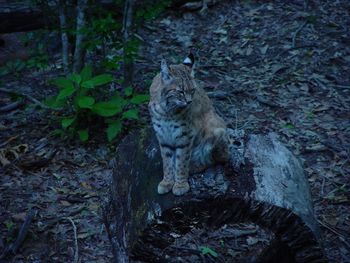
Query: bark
x=64 y=35
x=127 y=36
x=78 y=60
x=264 y=184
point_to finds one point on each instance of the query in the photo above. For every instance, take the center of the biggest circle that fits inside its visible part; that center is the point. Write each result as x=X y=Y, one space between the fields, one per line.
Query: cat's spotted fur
x=190 y=134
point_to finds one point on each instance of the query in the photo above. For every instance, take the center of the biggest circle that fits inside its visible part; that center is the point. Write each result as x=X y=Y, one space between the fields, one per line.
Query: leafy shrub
x=76 y=96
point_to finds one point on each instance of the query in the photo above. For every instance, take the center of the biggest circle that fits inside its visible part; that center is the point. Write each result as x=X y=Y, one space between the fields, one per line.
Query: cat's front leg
x=168 y=158
x=182 y=164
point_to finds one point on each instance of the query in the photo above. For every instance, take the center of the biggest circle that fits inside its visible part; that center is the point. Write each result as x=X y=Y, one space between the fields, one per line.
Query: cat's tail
x=201 y=157
x=204 y=154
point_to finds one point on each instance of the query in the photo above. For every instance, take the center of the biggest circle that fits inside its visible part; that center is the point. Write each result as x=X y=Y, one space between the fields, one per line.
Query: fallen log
x=23 y=16
x=20 y=17
x=258 y=208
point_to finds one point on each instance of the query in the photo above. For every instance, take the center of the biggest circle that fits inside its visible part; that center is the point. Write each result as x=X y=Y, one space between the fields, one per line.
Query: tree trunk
x=264 y=185
x=79 y=51
x=127 y=37
x=64 y=35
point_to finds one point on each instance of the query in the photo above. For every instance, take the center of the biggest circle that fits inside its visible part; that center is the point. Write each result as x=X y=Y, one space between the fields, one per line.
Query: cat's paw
x=181 y=188
x=165 y=187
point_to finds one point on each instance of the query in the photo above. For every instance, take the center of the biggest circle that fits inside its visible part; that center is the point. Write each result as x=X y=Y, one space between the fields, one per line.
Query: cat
x=191 y=135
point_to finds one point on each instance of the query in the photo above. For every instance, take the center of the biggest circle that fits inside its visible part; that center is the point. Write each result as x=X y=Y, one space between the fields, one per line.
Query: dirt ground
x=269 y=66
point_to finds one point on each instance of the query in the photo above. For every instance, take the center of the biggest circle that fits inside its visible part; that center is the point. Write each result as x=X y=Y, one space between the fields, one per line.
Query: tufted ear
x=164 y=72
x=189 y=60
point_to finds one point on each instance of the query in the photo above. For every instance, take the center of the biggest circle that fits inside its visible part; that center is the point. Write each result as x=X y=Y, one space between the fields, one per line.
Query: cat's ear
x=189 y=60
x=164 y=72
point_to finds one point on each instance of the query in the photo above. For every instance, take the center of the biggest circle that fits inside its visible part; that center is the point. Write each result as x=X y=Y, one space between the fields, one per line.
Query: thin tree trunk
x=79 y=52
x=64 y=35
x=127 y=36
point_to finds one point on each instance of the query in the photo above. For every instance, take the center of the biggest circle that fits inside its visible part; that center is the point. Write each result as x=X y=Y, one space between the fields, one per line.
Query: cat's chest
x=173 y=132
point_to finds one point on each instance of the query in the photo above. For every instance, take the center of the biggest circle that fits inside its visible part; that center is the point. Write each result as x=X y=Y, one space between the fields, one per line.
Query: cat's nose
x=181 y=104
x=188 y=99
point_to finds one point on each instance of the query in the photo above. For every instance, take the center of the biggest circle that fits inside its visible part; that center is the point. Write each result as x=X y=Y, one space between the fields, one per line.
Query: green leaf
x=86 y=73
x=53 y=103
x=207 y=250
x=128 y=91
x=86 y=102
x=57 y=132
x=114 y=128
x=118 y=100
x=139 y=99
x=98 y=81
x=131 y=114
x=87 y=84
x=67 y=122
x=63 y=83
x=76 y=78
x=66 y=92
x=83 y=135
x=289 y=126
x=106 y=109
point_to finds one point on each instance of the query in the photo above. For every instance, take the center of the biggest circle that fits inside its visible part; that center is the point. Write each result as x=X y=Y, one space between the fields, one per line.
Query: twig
x=34 y=100
x=294 y=48
x=11 y=106
x=9 y=140
x=76 y=252
x=297 y=32
x=334 y=231
x=12 y=248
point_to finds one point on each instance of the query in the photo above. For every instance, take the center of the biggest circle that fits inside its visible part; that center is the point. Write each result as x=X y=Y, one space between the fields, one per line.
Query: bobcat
x=190 y=134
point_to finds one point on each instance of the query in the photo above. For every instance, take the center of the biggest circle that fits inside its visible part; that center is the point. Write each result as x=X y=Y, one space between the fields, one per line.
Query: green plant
x=12 y=67
x=151 y=10
x=102 y=31
x=77 y=95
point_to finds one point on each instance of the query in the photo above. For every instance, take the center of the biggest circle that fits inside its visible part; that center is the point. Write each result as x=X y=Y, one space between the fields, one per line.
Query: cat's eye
x=193 y=91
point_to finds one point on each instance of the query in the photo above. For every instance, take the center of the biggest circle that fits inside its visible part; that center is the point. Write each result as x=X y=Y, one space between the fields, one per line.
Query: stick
x=12 y=248
x=76 y=252
x=297 y=32
x=294 y=48
x=34 y=100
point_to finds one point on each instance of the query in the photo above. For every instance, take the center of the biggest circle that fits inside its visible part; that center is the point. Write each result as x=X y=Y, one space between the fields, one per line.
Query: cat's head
x=178 y=85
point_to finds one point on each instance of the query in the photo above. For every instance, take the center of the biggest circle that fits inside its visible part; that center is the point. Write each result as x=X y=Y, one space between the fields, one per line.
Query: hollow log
x=263 y=189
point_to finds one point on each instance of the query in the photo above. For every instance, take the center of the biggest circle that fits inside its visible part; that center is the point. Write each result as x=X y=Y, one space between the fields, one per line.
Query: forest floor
x=269 y=67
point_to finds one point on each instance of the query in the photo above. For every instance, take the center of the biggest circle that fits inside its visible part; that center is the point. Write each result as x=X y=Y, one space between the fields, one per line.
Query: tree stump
x=256 y=209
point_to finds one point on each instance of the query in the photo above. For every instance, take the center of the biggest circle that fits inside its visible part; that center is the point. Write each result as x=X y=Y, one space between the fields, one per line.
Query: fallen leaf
x=65 y=203
x=264 y=49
